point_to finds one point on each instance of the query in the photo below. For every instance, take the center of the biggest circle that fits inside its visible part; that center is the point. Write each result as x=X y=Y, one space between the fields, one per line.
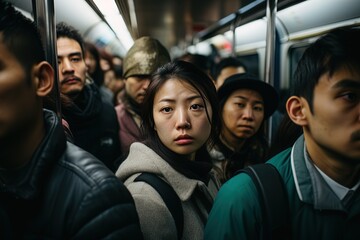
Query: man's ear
x=44 y=78
x=296 y=108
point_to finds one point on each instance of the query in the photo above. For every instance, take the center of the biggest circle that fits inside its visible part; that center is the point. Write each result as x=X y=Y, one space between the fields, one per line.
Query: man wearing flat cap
x=143 y=58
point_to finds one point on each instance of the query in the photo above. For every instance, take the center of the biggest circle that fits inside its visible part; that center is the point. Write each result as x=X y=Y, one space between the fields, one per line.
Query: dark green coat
x=319 y=214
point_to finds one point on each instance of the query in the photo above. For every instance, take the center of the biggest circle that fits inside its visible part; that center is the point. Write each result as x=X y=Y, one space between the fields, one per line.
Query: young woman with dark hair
x=180 y=118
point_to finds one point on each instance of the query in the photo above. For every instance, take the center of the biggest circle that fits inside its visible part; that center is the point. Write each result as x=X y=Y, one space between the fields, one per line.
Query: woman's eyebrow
x=170 y=99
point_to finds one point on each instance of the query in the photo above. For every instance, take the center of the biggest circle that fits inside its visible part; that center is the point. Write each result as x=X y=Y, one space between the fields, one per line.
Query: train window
x=251 y=61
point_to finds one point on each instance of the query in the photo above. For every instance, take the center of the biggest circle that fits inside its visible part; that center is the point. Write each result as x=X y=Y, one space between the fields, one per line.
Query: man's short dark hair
x=20 y=35
x=67 y=31
x=339 y=48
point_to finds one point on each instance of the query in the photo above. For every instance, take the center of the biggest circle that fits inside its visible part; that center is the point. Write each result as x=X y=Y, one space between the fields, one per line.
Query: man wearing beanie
x=143 y=58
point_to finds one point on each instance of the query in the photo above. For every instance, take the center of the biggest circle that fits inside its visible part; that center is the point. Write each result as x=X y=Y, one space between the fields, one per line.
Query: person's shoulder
x=108 y=113
x=238 y=188
x=236 y=201
x=107 y=105
x=88 y=169
x=281 y=161
x=86 y=177
x=95 y=196
x=140 y=158
x=106 y=94
x=281 y=156
x=121 y=110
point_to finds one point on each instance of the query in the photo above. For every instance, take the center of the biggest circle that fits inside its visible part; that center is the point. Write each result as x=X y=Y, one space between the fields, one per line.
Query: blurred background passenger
x=245 y=103
x=107 y=65
x=180 y=118
x=94 y=70
x=203 y=62
x=117 y=60
x=227 y=67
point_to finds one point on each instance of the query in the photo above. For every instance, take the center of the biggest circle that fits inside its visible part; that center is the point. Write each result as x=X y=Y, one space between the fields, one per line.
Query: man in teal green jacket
x=321 y=172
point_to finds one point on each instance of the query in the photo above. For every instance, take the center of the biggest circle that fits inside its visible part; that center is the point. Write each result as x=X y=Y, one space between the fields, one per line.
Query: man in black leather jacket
x=50 y=188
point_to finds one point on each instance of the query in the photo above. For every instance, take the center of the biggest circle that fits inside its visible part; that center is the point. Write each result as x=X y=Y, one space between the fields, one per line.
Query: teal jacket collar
x=310 y=185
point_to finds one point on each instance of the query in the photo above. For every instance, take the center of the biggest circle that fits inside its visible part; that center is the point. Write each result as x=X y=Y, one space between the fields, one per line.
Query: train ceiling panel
x=174 y=22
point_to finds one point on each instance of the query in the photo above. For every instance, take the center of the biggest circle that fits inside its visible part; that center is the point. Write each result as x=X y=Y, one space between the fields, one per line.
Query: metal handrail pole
x=44 y=15
x=271 y=9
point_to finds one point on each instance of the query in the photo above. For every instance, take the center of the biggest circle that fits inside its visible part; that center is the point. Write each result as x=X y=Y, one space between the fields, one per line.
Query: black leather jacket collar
x=51 y=148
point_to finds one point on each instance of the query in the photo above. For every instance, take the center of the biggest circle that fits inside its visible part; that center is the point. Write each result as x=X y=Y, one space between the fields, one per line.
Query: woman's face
x=242 y=115
x=180 y=117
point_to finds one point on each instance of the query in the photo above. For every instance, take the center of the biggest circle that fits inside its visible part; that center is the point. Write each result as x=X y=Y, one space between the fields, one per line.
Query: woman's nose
x=183 y=120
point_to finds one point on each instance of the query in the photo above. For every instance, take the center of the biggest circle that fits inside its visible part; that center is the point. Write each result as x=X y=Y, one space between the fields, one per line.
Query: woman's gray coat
x=155 y=219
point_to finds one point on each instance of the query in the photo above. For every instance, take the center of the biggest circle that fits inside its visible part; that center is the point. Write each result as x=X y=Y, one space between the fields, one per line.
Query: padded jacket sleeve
x=107 y=212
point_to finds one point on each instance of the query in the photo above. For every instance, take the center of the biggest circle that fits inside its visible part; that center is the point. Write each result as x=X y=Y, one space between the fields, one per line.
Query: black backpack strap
x=169 y=196
x=273 y=200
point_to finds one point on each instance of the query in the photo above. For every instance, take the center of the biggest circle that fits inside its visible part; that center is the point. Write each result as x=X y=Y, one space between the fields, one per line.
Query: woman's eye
x=166 y=110
x=196 y=107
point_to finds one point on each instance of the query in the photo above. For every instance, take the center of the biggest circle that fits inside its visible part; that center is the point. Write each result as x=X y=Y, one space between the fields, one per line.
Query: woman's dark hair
x=189 y=73
x=203 y=62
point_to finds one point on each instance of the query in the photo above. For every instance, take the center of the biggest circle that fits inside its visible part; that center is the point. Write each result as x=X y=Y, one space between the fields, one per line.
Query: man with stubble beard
x=92 y=121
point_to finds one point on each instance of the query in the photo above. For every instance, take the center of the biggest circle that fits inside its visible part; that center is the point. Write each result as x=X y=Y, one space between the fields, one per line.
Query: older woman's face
x=180 y=117
x=242 y=114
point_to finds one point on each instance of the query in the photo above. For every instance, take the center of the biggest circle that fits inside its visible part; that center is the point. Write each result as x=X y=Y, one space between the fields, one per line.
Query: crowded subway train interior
x=268 y=35
x=151 y=148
